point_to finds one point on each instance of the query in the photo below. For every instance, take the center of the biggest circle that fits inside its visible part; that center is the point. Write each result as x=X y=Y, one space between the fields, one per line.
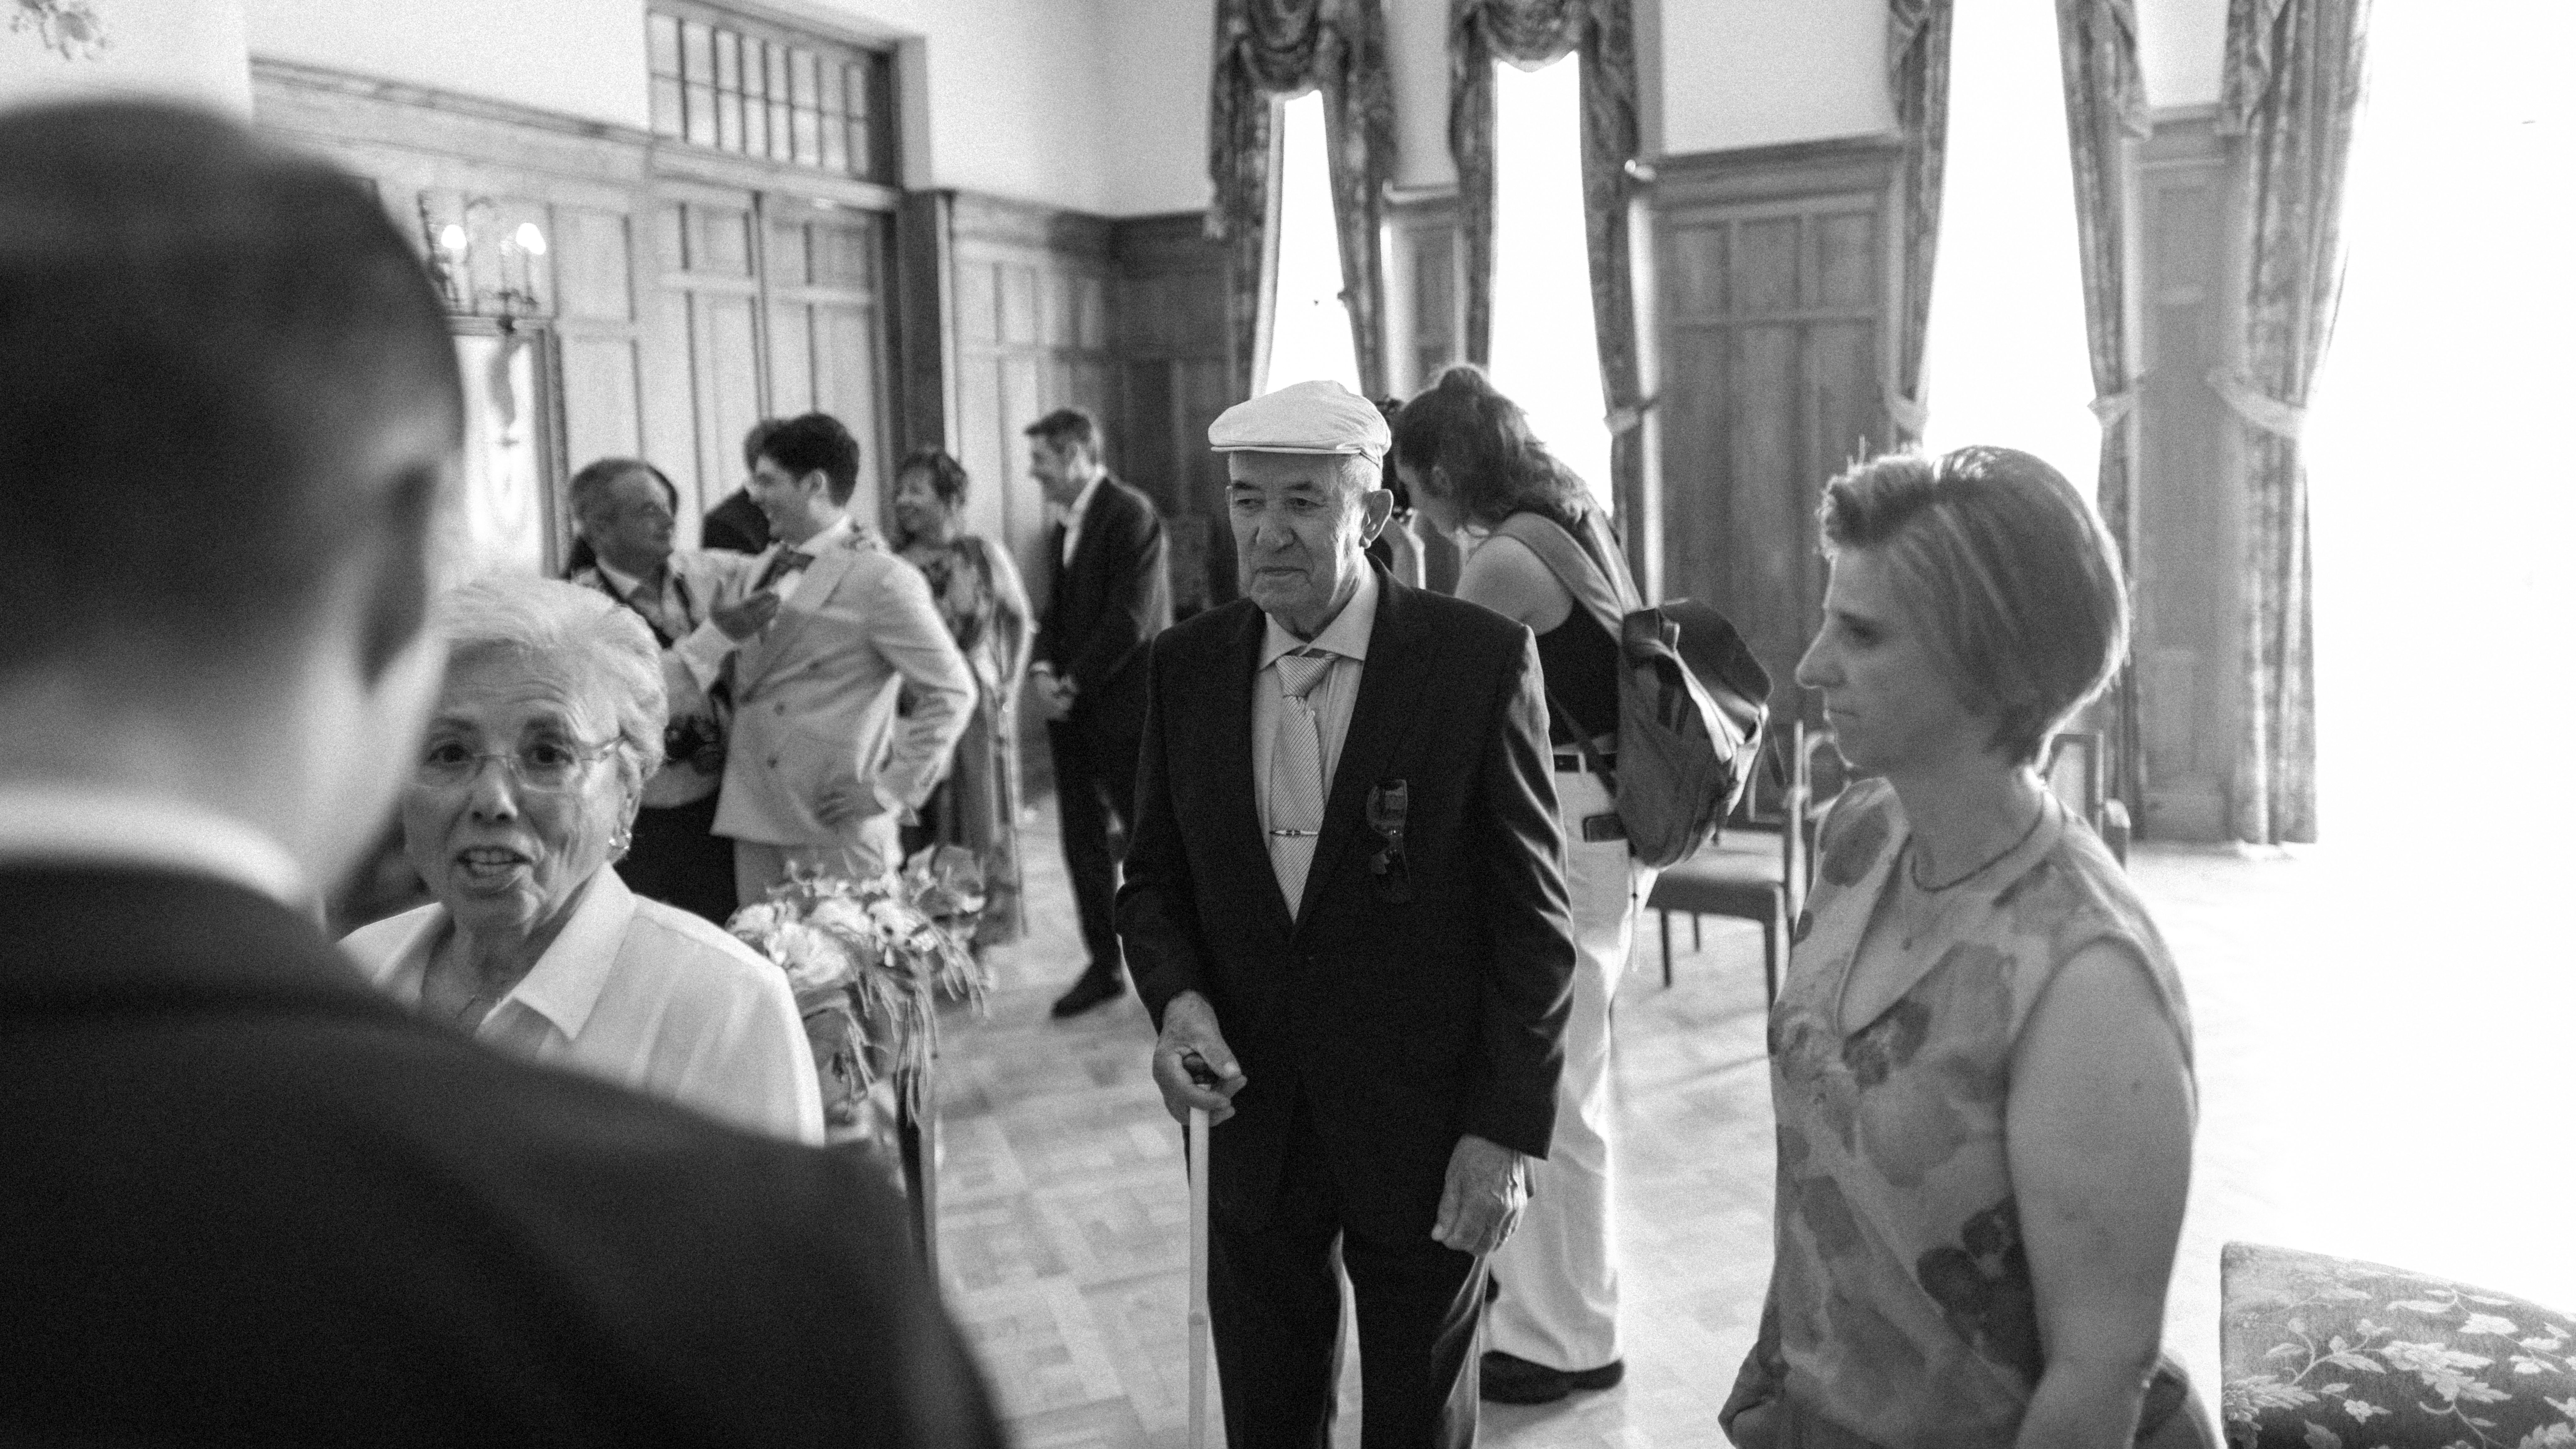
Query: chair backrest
x=2076 y=773
x=1801 y=812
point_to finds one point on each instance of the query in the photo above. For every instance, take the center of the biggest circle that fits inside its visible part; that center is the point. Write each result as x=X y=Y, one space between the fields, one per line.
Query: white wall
x=579 y=57
x=191 y=50
x=1758 y=72
x=1019 y=91
x=1154 y=60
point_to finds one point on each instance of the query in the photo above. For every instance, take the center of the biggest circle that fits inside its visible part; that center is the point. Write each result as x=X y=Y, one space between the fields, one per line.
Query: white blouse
x=643 y=994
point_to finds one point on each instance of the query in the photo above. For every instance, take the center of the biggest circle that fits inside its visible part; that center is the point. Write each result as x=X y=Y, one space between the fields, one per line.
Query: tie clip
x=1275 y=830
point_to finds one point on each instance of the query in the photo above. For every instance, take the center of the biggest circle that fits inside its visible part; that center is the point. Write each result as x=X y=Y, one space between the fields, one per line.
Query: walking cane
x=1198 y=1276
x=1197 y=1146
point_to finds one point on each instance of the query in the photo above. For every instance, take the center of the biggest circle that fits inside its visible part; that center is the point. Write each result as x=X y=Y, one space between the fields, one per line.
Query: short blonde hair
x=2016 y=582
x=577 y=633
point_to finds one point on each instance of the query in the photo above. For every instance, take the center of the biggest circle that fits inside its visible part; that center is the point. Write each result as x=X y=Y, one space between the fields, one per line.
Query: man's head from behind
x=804 y=474
x=232 y=412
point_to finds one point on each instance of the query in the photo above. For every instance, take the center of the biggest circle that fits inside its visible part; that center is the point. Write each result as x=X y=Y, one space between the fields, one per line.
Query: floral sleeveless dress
x=981 y=601
x=1901 y=1310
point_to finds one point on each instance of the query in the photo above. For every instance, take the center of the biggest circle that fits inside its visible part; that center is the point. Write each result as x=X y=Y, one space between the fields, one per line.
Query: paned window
x=754 y=90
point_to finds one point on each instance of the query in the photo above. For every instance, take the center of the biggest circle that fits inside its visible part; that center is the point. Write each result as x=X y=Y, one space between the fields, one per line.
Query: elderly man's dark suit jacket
x=245 y=1199
x=1403 y=1024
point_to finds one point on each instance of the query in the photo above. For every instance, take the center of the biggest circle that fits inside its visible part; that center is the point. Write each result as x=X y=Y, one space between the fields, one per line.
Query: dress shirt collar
x=831 y=533
x=626 y=584
x=1347 y=635
x=1081 y=503
x=55 y=823
x=565 y=983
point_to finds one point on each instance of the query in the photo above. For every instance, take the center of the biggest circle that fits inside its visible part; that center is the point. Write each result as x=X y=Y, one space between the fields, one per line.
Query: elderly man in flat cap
x=1346 y=909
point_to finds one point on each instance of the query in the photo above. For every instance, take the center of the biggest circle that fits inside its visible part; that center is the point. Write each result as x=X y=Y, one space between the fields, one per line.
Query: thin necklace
x=1914 y=861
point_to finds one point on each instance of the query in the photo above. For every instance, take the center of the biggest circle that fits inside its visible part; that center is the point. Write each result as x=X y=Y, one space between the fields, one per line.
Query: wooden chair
x=1752 y=874
x=2075 y=771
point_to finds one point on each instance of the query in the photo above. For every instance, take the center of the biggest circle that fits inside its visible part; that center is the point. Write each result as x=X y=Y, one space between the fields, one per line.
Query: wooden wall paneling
x=1772 y=270
x=445 y=157
x=1425 y=298
x=828 y=332
x=1030 y=334
x=2187 y=639
x=926 y=281
x=593 y=253
x=1164 y=322
x=711 y=337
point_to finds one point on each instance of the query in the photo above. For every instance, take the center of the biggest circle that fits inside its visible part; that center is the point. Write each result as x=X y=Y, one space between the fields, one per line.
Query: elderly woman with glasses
x=549 y=722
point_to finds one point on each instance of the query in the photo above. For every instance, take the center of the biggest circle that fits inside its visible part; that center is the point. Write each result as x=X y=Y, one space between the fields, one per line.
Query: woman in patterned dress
x=987 y=611
x=1981 y=1062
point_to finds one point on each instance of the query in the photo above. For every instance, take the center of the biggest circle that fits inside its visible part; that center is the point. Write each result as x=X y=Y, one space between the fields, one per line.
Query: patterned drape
x=1271 y=48
x=2106 y=108
x=2291 y=88
x=1918 y=78
x=1532 y=33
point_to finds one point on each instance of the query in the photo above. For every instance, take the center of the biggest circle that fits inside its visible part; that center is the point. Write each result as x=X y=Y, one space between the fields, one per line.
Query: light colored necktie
x=1297 y=772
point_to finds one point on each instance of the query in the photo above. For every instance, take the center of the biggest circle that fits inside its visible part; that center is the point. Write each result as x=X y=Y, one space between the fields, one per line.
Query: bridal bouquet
x=865 y=957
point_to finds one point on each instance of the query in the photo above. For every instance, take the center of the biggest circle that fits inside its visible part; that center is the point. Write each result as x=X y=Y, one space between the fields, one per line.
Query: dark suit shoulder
x=1126 y=497
x=347 y=1203
x=1206 y=634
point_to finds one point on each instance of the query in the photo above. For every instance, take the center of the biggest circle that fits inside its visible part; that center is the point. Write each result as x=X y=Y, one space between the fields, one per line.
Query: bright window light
x=1544 y=355
x=2006 y=362
x=2442 y=512
x=1310 y=329
x=2443 y=499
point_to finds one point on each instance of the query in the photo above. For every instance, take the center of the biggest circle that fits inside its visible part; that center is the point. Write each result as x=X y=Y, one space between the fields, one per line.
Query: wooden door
x=826 y=312
x=1771 y=386
x=707 y=338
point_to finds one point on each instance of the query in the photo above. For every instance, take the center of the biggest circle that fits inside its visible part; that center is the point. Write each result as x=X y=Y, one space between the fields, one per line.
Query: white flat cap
x=1303 y=417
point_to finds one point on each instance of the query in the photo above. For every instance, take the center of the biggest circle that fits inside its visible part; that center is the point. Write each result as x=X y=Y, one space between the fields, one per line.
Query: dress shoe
x=1509 y=1379
x=1087 y=993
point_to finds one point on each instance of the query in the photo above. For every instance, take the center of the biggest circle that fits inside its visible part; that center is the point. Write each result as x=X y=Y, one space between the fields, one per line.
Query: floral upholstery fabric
x=1902 y=1310
x=2328 y=1353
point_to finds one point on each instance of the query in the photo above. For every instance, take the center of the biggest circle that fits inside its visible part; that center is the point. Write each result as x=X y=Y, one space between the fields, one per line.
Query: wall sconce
x=451 y=250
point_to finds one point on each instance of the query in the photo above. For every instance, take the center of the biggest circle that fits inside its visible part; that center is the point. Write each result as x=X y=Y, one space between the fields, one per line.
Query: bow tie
x=782 y=563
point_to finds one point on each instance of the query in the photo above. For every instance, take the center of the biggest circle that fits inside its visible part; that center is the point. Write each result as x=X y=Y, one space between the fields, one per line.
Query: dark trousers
x=1275 y=1301
x=1095 y=791
x=678 y=859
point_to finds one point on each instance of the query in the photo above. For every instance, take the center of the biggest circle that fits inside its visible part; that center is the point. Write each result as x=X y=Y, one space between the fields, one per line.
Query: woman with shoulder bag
x=1466 y=454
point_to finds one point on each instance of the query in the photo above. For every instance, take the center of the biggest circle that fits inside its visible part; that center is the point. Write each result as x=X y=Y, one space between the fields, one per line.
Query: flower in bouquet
x=865 y=958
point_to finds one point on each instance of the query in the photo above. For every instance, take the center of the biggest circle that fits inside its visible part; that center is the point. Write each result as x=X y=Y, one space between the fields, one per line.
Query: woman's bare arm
x=2098 y=1131
x=1504 y=576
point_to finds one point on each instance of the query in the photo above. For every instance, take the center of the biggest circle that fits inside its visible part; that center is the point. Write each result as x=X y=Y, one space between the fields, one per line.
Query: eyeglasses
x=546 y=765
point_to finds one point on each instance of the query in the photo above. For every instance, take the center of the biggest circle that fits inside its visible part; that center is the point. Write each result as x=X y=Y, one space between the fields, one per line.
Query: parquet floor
x=2377 y=1079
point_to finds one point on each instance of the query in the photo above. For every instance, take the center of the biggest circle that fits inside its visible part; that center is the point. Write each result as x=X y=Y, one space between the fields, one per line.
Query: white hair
x=578 y=634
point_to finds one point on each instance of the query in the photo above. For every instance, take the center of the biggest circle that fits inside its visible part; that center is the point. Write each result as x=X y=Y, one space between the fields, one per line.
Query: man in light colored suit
x=821 y=772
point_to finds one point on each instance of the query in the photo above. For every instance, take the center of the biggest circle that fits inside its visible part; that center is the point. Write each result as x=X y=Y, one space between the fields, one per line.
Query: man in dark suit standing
x=737 y=524
x=249 y=1198
x=1111 y=595
x=1346 y=909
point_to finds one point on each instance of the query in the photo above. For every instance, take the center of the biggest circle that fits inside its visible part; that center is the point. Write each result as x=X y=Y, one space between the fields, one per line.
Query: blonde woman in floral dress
x=1981 y=1062
x=987 y=612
